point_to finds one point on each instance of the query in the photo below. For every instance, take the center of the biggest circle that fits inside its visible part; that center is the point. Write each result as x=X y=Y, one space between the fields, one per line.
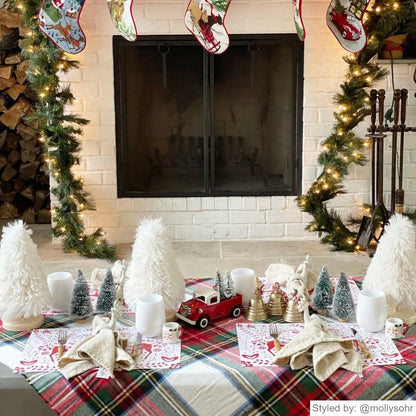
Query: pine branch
x=59 y=132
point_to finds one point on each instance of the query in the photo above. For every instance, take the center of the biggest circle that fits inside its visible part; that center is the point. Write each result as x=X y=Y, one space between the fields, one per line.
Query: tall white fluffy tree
x=24 y=291
x=393 y=267
x=153 y=267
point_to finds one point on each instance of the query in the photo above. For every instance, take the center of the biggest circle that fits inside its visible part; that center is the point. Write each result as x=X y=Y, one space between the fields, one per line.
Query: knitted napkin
x=104 y=349
x=317 y=346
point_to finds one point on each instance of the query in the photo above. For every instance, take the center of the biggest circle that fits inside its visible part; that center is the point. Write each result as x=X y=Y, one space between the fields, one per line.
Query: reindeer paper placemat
x=40 y=353
x=257 y=346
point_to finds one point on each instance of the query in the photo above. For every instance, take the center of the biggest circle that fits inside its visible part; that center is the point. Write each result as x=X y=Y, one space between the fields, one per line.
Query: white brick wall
x=221 y=217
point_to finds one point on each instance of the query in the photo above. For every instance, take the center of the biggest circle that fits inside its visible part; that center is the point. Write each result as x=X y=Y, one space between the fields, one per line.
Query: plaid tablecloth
x=211 y=380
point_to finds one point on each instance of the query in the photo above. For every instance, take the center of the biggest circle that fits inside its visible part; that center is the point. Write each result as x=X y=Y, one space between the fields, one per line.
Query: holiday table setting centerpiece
x=248 y=357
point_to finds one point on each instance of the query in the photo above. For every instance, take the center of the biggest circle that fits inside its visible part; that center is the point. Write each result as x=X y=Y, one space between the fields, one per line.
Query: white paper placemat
x=41 y=349
x=257 y=346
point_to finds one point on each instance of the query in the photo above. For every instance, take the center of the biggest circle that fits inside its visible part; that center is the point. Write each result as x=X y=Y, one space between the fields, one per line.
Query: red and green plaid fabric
x=212 y=356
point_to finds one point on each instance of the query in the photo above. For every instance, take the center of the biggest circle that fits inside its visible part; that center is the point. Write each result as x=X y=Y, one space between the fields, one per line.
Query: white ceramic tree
x=393 y=267
x=24 y=291
x=153 y=267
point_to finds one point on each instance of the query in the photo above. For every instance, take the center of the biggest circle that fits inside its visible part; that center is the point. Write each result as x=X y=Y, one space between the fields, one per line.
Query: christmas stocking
x=297 y=14
x=344 y=18
x=59 y=21
x=205 y=20
x=122 y=17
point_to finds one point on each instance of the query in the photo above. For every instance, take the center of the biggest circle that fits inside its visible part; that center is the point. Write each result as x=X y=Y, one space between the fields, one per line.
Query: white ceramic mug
x=61 y=286
x=245 y=283
x=371 y=310
x=172 y=332
x=150 y=314
x=396 y=328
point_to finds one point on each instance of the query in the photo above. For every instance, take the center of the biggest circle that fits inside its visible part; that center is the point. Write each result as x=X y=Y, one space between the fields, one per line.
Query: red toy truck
x=206 y=304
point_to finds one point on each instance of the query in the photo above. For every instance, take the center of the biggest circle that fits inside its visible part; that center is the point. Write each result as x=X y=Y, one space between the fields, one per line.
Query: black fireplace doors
x=193 y=124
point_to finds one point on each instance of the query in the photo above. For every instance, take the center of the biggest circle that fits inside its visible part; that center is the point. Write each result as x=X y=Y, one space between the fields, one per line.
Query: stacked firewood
x=24 y=181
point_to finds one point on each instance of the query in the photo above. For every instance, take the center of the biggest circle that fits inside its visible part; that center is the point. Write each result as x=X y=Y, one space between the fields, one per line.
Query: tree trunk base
x=170 y=315
x=407 y=315
x=323 y=312
x=23 y=324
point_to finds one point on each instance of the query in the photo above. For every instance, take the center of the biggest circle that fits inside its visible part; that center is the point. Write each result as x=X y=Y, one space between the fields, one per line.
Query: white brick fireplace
x=223 y=217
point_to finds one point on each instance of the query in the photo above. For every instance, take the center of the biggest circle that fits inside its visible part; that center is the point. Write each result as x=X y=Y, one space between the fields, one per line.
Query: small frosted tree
x=107 y=294
x=217 y=282
x=24 y=291
x=81 y=305
x=153 y=267
x=322 y=295
x=229 y=290
x=220 y=284
x=343 y=305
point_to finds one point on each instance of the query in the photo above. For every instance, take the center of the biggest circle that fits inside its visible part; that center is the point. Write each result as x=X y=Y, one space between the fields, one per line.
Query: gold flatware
x=62 y=338
x=363 y=348
x=136 y=346
x=275 y=335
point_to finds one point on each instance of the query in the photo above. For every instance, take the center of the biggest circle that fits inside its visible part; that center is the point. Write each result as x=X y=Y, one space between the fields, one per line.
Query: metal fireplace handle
x=164 y=49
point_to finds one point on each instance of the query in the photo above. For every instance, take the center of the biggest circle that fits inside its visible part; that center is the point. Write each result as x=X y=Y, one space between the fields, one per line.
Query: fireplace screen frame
x=208 y=188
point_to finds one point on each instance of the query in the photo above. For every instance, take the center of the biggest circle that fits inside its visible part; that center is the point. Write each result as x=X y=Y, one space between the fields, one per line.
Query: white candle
x=61 y=286
x=245 y=283
x=371 y=310
x=150 y=315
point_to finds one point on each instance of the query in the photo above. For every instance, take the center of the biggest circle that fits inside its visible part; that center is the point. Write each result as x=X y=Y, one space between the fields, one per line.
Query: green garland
x=59 y=133
x=343 y=148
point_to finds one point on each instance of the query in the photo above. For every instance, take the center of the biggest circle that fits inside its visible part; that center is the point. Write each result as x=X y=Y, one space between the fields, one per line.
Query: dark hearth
x=193 y=124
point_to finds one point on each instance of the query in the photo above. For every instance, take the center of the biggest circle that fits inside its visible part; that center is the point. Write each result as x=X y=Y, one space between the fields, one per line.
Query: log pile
x=24 y=180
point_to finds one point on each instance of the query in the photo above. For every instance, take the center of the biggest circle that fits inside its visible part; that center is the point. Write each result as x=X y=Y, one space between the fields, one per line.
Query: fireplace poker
x=400 y=190
x=394 y=129
x=373 y=127
x=367 y=227
x=380 y=162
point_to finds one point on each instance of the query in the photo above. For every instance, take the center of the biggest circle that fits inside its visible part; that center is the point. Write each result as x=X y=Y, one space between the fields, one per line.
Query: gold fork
x=275 y=335
x=62 y=338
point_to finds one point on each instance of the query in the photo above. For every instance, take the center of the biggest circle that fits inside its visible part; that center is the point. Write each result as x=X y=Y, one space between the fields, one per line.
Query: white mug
x=150 y=315
x=244 y=283
x=172 y=332
x=371 y=310
x=61 y=286
x=396 y=328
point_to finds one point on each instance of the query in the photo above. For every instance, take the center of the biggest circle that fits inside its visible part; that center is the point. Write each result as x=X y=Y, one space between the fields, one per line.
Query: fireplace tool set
x=372 y=228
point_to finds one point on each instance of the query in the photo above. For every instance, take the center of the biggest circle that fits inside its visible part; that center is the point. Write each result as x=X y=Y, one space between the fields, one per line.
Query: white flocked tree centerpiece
x=153 y=267
x=393 y=268
x=24 y=292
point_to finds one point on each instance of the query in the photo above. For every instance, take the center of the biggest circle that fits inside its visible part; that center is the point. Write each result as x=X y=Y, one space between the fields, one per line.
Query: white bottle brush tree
x=81 y=306
x=343 y=305
x=393 y=268
x=322 y=295
x=24 y=292
x=153 y=267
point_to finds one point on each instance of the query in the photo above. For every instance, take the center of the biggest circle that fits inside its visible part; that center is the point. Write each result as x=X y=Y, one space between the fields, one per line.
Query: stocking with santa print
x=205 y=20
x=122 y=18
x=345 y=19
x=59 y=21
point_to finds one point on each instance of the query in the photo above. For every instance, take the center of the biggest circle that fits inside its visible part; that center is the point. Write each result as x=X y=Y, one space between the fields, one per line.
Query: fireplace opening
x=189 y=123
